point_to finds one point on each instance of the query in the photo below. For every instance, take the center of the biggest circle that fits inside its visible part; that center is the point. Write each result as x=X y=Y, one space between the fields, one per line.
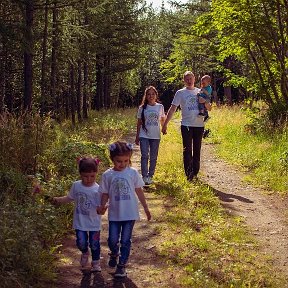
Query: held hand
x=148 y=214
x=101 y=210
x=164 y=129
x=201 y=100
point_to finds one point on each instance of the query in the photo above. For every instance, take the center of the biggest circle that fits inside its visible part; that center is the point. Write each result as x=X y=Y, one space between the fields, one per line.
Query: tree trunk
x=98 y=97
x=44 y=89
x=79 y=95
x=28 y=57
x=85 y=91
x=72 y=94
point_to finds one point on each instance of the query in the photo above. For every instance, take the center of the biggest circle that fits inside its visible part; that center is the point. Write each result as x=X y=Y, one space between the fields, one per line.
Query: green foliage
x=253 y=142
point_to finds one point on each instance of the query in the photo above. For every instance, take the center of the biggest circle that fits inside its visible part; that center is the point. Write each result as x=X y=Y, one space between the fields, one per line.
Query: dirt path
x=264 y=214
x=145 y=268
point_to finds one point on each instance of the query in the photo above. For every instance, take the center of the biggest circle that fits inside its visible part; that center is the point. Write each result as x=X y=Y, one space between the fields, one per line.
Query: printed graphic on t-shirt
x=121 y=189
x=83 y=204
x=191 y=103
x=152 y=118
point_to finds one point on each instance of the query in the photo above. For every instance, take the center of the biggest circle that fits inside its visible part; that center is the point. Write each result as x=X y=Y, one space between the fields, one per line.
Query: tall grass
x=210 y=247
x=245 y=141
x=39 y=149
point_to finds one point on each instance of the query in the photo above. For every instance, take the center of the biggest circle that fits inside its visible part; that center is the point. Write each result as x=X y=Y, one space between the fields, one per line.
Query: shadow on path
x=97 y=280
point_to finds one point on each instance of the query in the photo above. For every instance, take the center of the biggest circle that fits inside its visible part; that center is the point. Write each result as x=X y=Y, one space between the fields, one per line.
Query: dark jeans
x=191 y=139
x=82 y=238
x=120 y=231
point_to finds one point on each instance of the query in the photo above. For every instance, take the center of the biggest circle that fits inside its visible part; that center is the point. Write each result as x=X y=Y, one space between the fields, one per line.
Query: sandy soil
x=264 y=214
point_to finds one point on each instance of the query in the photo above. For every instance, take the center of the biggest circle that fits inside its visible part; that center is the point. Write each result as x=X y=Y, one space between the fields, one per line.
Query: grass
x=262 y=153
x=211 y=248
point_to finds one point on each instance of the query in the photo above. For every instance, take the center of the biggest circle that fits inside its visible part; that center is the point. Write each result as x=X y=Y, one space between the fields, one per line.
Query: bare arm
x=141 y=197
x=61 y=200
x=104 y=199
x=207 y=104
x=170 y=113
x=139 y=123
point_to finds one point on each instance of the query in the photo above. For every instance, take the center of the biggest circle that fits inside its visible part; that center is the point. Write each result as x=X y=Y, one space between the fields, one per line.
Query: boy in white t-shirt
x=150 y=117
x=86 y=221
x=122 y=186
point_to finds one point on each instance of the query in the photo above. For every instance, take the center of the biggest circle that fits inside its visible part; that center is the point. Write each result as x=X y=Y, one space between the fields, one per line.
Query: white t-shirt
x=120 y=186
x=86 y=200
x=152 y=115
x=188 y=101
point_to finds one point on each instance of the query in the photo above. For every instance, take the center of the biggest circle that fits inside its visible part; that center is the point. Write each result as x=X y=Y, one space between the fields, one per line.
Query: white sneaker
x=149 y=181
x=145 y=180
x=95 y=266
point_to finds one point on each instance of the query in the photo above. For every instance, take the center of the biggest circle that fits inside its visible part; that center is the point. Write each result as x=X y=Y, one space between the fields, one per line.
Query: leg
x=82 y=244
x=186 y=133
x=113 y=238
x=197 y=140
x=126 y=234
x=94 y=241
x=144 y=148
x=154 y=147
x=82 y=240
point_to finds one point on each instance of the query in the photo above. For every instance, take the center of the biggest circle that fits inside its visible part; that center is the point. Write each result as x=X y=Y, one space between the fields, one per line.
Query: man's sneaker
x=120 y=271
x=145 y=179
x=112 y=261
x=149 y=181
x=206 y=133
x=84 y=259
x=95 y=266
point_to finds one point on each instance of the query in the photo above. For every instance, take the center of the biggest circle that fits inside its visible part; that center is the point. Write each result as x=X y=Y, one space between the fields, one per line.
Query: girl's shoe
x=113 y=261
x=84 y=259
x=120 y=271
x=95 y=266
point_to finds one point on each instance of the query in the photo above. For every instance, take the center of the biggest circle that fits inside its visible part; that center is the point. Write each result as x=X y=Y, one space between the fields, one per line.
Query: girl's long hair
x=144 y=104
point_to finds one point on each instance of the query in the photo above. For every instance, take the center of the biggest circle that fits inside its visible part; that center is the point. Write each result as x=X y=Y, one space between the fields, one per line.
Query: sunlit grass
x=264 y=155
x=211 y=248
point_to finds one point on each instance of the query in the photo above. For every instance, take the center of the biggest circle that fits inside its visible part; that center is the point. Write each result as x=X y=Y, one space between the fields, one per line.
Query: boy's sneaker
x=120 y=271
x=112 y=261
x=206 y=133
x=95 y=266
x=84 y=259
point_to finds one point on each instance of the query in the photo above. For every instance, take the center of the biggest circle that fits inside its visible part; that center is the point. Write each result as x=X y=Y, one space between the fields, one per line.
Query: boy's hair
x=145 y=103
x=88 y=164
x=206 y=77
x=120 y=148
x=188 y=73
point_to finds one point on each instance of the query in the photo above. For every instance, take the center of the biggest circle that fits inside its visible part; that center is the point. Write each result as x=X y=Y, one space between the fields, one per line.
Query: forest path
x=264 y=215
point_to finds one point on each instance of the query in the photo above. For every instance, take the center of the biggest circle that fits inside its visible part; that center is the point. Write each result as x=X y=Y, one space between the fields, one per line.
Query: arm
x=139 y=123
x=171 y=111
x=104 y=199
x=61 y=200
x=141 y=197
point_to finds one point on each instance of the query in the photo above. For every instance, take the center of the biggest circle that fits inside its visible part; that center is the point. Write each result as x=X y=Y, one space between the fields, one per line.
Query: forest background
x=66 y=63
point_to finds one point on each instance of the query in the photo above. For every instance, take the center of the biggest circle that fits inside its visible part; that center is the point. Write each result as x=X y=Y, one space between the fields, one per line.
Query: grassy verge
x=48 y=151
x=264 y=154
x=212 y=248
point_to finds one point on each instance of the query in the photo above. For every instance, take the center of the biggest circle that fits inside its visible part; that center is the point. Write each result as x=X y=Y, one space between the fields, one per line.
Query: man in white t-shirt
x=192 y=126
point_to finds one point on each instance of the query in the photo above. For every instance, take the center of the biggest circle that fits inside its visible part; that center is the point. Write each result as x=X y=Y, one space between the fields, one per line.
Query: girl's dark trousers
x=191 y=139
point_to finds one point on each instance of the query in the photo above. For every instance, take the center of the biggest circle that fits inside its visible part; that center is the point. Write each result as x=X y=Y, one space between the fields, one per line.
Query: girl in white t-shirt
x=123 y=186
x=150 y=117
x=86 y=221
